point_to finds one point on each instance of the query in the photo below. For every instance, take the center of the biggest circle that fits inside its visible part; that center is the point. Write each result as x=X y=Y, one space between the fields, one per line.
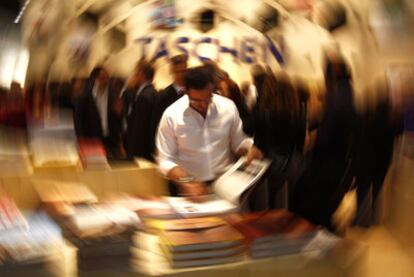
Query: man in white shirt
x=199 y=135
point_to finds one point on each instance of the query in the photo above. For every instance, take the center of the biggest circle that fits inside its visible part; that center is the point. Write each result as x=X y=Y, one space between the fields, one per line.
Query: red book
x=91 y=147
x=92 y=153
x=270 y=226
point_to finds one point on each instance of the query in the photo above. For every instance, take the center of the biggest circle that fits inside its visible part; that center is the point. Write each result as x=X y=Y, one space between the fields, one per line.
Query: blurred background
x=48 y=49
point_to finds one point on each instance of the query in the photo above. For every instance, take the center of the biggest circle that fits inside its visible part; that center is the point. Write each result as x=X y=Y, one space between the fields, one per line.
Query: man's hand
x=193 y=189
x=254 y=153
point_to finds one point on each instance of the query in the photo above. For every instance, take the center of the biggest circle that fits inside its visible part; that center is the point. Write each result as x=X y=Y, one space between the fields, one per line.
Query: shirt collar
x=189 y=109
x=95 y=90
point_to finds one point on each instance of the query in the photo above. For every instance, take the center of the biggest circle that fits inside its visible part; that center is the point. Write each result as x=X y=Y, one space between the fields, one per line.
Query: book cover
x=185 y=224
x=268 y=226
x=212 y=238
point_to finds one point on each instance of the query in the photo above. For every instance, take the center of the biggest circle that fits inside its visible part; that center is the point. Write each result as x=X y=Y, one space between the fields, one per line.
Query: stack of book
x=53 y=142
x=10 y=216
x=273 y=233
x=33 y=247
x=183 y=243
x=60 y=198
x=93 y=154
x=102 y=233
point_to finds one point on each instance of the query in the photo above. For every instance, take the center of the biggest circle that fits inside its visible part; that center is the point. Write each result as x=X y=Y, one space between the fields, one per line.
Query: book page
x=239 y=178
x=211 y=206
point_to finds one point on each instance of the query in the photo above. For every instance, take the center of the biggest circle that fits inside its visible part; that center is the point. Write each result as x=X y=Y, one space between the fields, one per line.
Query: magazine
x=230 y=191
x=239 y=179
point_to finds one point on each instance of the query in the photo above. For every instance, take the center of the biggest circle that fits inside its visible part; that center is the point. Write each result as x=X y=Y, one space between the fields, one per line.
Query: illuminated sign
x=247 y=50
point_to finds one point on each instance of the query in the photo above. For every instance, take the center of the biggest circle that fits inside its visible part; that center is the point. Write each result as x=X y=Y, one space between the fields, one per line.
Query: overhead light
x=19 y=16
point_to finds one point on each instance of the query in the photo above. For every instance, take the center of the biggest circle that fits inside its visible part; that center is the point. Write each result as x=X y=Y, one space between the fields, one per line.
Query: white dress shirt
x=101 y=101
x=204 y=147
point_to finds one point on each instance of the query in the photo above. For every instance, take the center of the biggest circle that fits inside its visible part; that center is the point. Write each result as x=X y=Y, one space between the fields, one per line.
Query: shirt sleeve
x=166 y=144
x=238 y=139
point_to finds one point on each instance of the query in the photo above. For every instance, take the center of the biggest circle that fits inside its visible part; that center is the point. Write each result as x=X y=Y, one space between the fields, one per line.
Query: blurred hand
x=254 y=153
x=193 y=189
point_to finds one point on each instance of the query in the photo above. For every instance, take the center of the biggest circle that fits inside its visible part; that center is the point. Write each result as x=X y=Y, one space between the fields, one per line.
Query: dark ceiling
x=10 y=5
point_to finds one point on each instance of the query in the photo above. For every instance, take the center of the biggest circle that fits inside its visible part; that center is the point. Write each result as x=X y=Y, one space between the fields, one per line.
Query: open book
x=230 y=190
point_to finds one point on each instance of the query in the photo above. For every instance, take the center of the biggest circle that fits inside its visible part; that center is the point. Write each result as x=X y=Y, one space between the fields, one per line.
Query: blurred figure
x=178 y=67
x=253 y=94
x=215 y=72
x=95 y=116
x=138 y=103
x=327 y=177
x=70 y=92
x=277 y=134
x=36 y=102
x=12 y=111
x=374 y=155
x=229 y=88
x=191 y=154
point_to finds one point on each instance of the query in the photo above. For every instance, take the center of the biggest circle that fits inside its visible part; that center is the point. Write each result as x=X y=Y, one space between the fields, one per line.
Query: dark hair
x=147 y=69
x=279 y=97
x=197 y=78
x=258 y=74
x=95 y=72
x=178 y=59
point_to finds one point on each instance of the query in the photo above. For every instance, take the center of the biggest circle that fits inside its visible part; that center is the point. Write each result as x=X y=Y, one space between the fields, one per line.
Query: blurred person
x=70 y=92
x=327 y=177
x=173 y=92
x=377 y=131
x=12 y=112
x=255 y=91
x=199 y=136
x=277 y=134
x=229 y=88
x=138 y=104
x=215 y=72
x=95 y=116
x=36 y=102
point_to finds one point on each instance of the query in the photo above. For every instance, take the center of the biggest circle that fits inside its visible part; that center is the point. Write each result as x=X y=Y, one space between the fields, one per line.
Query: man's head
x=15 y=87
x=178 y=68
x=144 y=72
x=200 y=88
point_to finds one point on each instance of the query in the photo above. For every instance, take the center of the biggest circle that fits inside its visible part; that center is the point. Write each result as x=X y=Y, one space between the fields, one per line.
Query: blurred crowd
x=319 y=144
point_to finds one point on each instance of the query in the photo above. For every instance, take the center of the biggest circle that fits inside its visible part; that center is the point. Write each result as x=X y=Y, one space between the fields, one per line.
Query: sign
x=247 y=50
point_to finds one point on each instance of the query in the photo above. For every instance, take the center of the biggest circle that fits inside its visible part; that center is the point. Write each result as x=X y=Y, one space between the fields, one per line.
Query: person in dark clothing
x=327 y=177
x=259 y=75
x=276 y=122
x=375 y=149
x=138 y=104
x=178 y=67
x=230 y=89
x=95 y=113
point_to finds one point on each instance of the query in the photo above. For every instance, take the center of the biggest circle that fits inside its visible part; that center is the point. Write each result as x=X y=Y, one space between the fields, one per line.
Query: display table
x=286 y=266
x=141 y=179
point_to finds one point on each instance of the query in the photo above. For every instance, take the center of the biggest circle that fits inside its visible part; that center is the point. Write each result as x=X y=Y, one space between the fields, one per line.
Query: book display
x=122 y=232
x=273 y=233
x=28 y=241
